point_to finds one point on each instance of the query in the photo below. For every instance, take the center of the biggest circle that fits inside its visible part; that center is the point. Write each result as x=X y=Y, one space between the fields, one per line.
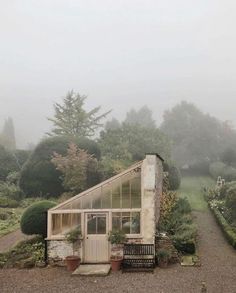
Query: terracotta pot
x=116 y=264
x=72 y=262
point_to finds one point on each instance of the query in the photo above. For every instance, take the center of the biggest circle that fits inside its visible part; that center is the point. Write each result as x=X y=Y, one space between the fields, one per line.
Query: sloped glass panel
x=106 y=196
x=136 y=192
x=126 y=195
x=116 y=204
x=96 y=199
x=87 y=202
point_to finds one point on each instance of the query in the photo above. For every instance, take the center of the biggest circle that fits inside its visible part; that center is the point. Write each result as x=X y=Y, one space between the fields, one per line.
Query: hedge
x=228 y=231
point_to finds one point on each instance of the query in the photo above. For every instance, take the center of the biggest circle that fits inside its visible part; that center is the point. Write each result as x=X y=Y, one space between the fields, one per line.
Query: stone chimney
x=152 y=177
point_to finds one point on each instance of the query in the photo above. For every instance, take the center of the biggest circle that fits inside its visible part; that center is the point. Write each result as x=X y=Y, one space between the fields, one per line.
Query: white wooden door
x=96 y=238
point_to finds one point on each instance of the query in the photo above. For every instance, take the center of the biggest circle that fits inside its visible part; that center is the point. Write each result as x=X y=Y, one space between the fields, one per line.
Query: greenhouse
x=122 y=202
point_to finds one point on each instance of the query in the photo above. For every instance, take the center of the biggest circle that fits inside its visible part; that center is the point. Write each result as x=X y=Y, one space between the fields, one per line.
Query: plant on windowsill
x=116 y=238
x=163 y=257
x=73 y=237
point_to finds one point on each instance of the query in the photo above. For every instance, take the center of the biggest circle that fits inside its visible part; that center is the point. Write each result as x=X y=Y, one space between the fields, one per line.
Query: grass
x=191 y=189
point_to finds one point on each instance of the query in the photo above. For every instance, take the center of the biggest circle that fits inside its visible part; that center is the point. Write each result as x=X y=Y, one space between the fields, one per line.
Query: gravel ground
x=11 y=239
x=218 y=270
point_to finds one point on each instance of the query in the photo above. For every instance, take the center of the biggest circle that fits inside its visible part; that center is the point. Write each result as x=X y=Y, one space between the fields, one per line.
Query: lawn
x=191 y=187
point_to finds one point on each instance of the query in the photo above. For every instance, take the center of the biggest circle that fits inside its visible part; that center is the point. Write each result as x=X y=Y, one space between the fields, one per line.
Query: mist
x=120 y=54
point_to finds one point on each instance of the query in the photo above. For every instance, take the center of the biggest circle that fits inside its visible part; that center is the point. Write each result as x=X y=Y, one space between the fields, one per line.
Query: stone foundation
x=59 y=249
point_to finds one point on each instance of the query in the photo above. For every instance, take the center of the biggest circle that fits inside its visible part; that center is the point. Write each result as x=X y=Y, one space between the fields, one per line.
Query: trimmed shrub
x=174 y=178
x=228 y=231
x=39 y=177
x=34 y=219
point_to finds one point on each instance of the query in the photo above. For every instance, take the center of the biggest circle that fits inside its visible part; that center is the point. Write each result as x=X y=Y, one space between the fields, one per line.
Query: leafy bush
x=32 y=249
x=182 y=206
x=34 y=219
x=8 y=203
x=11 y=191
x=116 y=237
x=174 y=178
x=39 y=176
x=179 y=225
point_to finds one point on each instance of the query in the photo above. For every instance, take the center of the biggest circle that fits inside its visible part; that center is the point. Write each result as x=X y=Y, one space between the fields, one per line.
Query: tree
x=72 y=119
x=74 y=166
x=34 y=218
x=142 y=117
x=229 y=157
x=195 y=136
x=112 y=124
x=131 y=142
x=7 y=163
x=8 y=135
x=39 y=176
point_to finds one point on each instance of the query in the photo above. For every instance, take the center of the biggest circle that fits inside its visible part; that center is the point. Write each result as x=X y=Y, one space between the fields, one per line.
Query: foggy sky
x=121 y=54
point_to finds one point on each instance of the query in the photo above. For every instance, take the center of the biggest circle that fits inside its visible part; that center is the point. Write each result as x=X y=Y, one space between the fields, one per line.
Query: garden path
x=9 y=240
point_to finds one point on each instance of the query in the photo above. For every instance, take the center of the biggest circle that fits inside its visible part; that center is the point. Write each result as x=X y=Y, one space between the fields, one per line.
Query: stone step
x=92 y=270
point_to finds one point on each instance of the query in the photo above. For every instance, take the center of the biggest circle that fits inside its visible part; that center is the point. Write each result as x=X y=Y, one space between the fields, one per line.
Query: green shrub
x=11 y=191
x=34 y=219
x=8 y=163
x=8 y=203
x=174 y=178
x=32 y=249
x=39 y=176
x=116 y=237
x=182 y=206
x=229 y=232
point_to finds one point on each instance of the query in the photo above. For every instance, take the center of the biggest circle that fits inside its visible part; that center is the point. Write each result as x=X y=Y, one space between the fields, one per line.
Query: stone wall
x=59 y=249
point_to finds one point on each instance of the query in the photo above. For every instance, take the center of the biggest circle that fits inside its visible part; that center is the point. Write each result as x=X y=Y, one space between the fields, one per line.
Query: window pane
x=96 y=198
x=126 y=224
x=76 y=204
x=75 y=221
x=87 y=202
x=126 y=195
x=91 y=224
x=116 y=221
x=56 y=224
x=101 y=225
x=116 y=197
x=136 y=192
x=106 y=197
x=135 y=223
x=66 y=223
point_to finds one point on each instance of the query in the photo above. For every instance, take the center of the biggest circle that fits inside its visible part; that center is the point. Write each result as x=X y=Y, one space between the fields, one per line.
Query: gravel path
x=9 y=240
x=218 y=270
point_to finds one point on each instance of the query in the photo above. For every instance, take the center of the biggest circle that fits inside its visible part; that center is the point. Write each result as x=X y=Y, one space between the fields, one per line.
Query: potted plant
x=116 y=237
x=163 y=256
x=73 y=261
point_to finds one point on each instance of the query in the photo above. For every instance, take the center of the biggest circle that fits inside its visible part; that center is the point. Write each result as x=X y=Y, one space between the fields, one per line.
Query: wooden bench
x=138 y=257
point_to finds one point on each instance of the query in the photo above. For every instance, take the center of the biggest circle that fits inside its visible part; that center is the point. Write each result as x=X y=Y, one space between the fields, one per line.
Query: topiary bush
x=39 y=177
x=34 y=219
x=174 y=178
